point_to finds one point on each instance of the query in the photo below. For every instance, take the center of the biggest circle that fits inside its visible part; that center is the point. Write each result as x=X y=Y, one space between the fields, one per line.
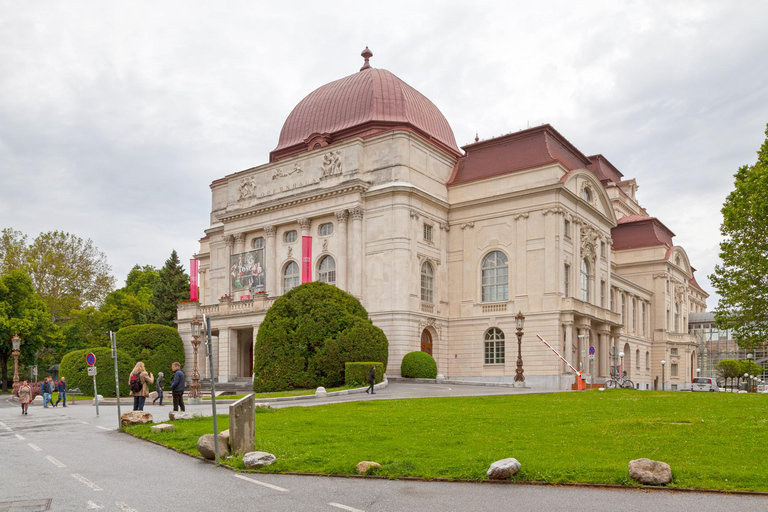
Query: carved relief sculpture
x=332 y=164
x=247 y=187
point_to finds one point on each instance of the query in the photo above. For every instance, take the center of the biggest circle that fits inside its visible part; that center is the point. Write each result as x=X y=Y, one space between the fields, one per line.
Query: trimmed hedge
x=307 y=336
x=75 y=369
x=418 y=365
x=158 y=346
x=357 y=373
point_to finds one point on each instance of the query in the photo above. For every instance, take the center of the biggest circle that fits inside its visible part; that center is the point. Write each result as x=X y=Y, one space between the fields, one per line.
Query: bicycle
x=617 y=381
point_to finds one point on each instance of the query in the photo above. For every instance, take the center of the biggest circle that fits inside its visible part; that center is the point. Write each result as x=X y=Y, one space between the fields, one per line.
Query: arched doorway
x=627 y=361
x=426 y=342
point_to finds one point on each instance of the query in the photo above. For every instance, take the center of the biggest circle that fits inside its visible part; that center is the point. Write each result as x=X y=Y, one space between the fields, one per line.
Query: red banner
x=193 y=283
x=306 y=259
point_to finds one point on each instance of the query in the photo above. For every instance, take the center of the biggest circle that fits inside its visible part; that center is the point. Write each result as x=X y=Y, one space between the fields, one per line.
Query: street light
x=520 y=319
x=194 y=388
x=745 y=378
x=621 y=366
x=16 y=344
x=663 y=375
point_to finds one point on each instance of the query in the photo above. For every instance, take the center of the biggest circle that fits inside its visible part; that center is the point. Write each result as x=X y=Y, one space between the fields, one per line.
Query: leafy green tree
x=22 y=313
x=171 y=288
x=68 y=272
x=158 y=346
x=13 y=247
x=131 y=304
x=742 y=279
x=85 y=328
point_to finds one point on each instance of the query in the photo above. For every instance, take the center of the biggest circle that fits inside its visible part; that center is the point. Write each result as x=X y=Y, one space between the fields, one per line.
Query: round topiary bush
x=307 y=336
x=75 y=369
x=157 y=345
x=418 y=365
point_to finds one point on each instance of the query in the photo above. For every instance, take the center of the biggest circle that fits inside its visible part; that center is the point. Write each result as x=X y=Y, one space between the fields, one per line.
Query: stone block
x=503 y=469
x=179 y=415
x=101 y=399
x=650 y=472
x=364 y=466
x=162 y=427
x=135 y=418
x=253 y=460
x=38 y=400
x=321 y=392
x=242 y=425
x=206 y=446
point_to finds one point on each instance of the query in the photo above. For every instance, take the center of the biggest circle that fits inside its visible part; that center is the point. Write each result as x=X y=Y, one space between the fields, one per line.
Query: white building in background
x=443 y=246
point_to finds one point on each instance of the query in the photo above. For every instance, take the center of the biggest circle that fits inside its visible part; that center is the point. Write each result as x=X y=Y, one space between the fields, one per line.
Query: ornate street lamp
x=621 y=366
x=16 y=344
x=194 y=388
x=663 y=375
x=519 y=377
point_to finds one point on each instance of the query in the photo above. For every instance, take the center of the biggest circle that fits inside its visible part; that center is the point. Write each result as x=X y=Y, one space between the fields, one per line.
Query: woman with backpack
x=138 y=383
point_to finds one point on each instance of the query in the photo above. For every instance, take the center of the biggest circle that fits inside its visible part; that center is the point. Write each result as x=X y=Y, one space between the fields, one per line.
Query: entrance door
x=426 y=342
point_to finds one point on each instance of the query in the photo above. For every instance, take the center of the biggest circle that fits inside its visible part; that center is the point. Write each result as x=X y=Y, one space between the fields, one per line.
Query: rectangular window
x=673 y=370
x=602 y=294
x=673 y=352
x=602 y=249
x=427 y=233
x=567 y=227
x=567 y=280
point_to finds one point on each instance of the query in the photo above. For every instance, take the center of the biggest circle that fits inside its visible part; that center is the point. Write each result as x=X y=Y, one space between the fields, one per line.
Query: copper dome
x=369 y=102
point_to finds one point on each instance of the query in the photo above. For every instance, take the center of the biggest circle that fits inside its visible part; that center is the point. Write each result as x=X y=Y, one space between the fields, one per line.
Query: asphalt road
x=72 y=460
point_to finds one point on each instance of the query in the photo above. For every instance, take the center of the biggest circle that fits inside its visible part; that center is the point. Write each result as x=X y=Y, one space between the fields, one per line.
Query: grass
x=711 y=440
x=283 y=394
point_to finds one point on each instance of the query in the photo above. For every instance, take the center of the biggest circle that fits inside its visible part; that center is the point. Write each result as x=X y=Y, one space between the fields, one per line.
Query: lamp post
x=16 y=344
x=621 y=366
x=519 y=377
x=194 y=388
x=746 y=375
x=663 y=374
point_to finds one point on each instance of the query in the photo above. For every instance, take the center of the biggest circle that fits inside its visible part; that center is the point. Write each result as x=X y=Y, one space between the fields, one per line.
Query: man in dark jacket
x=61 y=387
x=371 y=379
x=45 y=389
x=177 y=387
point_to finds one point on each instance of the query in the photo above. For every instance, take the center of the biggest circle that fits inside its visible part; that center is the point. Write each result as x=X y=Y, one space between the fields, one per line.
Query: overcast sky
x=115 y=117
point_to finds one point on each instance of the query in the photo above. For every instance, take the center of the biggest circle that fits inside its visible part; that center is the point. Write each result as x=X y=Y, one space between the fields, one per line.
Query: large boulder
x=253 y=460
x=135 y=418
x=503 y=469
x=180 y=415
x=206 y=446
x=364 y=466
x=650 y=472
x=225 y=435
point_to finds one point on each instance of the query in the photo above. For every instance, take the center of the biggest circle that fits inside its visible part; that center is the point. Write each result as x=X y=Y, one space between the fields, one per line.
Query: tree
x=131 y=304
x=68 y=272
x=171 y=287
x=22 y=313
x=742 y=279
x=13 y=247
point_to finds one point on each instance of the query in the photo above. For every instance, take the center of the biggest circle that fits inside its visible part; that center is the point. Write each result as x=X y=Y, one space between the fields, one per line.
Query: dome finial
x=477 y=138
x=367 y=54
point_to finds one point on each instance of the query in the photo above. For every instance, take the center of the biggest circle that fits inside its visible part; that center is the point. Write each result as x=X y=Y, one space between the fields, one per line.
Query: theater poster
x=246 y=271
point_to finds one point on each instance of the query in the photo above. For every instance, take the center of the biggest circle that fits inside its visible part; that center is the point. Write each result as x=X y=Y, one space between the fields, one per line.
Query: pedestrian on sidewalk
x=177 y=387
x=25 y=395
x=138 y=383
x=61 y=387
x=371 y=379
x=45 y=389
x=159 y=389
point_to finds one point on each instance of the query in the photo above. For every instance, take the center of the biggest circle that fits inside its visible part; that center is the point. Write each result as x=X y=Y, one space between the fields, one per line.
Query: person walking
x=177 y=387
x=371 y=379
x=61 y=387
x=45 y=389
x=138 y=383
x=25 y=395
x=159 y=389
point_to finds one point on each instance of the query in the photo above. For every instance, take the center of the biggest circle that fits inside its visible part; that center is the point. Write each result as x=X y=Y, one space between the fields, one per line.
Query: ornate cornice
x=356 y=213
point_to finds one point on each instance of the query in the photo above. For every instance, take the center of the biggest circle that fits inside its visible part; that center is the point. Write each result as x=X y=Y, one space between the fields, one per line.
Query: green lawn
x=711 y=440
x=283 y=394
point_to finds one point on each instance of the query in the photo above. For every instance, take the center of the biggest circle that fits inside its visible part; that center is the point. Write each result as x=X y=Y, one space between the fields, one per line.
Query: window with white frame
x=290 y=236
x=327 y=270
x=427 y=232
x=495 y=280
x=325 y=229
x=427 y=282
x=258 y=243
x=494 y=346
x=585 y=280
x=291 y=276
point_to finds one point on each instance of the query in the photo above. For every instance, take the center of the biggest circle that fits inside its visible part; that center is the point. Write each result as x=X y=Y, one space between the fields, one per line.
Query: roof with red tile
x=637 y=231
x=696 y=284
x=603 y=169
x=526 y=149
x=366 y=103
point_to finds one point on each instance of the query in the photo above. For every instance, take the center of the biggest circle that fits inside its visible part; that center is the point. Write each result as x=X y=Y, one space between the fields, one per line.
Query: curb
x=381 y=385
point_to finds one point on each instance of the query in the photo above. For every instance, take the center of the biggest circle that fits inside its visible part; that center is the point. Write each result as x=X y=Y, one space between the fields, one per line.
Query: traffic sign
x=91 y=371
x=90 y=359
x=591 y=351
x=592 y=356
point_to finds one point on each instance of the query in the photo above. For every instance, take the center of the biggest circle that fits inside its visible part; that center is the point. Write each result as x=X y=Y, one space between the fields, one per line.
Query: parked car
x=704 y=384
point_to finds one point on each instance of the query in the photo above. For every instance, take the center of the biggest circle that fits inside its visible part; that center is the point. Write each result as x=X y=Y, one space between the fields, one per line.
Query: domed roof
x=369 y=102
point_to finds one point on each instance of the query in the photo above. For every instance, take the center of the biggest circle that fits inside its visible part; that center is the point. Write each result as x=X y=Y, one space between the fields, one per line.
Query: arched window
x=494 y=346
x=327 y=270
x=647 y=360
x=585 y=279
x=495 y=277
x=677 y=317
x=427 y=282
x=290 y=236
x=637 y=359
x=634 y=319
x=325 y=229
x=587 y=194
x=642 y=318
x=291 y=276
x=258 y=243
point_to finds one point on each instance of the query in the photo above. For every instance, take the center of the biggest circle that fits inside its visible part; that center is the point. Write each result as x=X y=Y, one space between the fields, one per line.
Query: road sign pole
x=95 y=395
x=113 y=338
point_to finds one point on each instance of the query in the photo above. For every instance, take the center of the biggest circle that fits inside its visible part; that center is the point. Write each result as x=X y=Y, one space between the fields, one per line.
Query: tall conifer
x=171 y=287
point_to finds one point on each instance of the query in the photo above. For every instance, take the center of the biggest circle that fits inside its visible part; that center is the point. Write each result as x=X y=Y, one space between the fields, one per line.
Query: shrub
x=357 y=373
x=75 y=369
x=307 y=336
x=158 y=346
x=418 y=365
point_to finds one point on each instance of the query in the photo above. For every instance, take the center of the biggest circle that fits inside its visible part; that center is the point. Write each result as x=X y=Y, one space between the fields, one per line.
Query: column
x=271 y=264
x=603 y=353
x=223 y=355
x=341 y=259
x=568 y=344
x=355 y=251
x=229 y=240
x=305 y=224
x=239 y=243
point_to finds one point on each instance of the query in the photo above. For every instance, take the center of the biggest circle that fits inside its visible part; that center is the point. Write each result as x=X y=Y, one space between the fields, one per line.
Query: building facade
x=444 y=246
